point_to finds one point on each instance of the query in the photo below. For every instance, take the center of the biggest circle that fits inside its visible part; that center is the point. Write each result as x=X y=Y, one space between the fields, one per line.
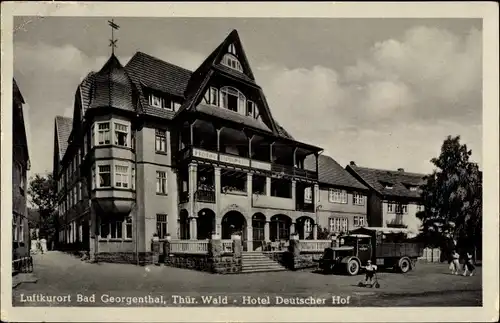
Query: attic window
x=387 y=186
x=232 y=49
x=231 y=61
x=413 y=188
x=159 y=102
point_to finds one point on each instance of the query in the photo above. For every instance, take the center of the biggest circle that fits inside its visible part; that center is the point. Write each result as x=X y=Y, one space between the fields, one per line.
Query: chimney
x=401 y=170
x=352 y=163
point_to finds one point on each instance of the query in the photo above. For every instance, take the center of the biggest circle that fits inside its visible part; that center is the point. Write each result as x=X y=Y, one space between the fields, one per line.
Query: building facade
x=394 y=197
x=155 y=149
x=342 y=200
x=20 y=167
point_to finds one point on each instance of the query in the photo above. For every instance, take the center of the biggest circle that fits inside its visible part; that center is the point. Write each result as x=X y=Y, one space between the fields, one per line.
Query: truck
x=385 y=247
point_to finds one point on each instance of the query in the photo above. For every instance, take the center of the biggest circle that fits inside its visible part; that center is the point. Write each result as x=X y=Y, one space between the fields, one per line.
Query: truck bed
x=389 y=249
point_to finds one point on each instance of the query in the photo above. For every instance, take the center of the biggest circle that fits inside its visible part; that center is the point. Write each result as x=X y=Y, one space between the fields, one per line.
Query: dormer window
x=156 y=101
x=232 y=62
x=413 y=188
x=387 y=186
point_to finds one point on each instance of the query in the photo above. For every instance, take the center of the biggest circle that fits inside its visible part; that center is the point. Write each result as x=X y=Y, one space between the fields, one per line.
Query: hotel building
x=155 y=149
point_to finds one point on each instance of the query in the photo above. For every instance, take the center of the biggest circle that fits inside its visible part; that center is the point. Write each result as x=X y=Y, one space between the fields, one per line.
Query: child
x=468 y=265
x=456 y=262
x=370 y=270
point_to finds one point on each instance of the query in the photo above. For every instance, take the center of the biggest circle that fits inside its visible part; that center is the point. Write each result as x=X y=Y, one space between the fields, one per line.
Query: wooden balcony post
x=250 y=147
x=191 y=133
x=295 y=157
x=271 y=152
x=218 y=138
x=317 y=162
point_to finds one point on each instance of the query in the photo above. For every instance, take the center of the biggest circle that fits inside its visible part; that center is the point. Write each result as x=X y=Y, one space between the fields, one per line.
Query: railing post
x=167 y=245
x=155 y=250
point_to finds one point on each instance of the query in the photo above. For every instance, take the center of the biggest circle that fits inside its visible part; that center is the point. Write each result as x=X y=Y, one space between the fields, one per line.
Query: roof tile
x=332 y=173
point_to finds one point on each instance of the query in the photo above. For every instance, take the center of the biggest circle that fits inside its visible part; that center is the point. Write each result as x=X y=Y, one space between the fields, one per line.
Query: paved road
x=62 y=274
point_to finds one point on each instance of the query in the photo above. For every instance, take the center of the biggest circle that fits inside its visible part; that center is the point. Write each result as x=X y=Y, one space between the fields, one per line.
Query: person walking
x=468 y=265
x=456 y=262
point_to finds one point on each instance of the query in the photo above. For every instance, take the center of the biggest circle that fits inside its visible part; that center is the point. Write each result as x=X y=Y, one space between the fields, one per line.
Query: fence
x=189 y=246
x=22 y=265
x=431 y=255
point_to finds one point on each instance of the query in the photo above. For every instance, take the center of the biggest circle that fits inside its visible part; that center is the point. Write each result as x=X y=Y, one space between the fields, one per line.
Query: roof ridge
x=388 y=170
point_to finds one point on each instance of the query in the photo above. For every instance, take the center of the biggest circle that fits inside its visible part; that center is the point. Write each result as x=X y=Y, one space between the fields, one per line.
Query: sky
x=384 y=93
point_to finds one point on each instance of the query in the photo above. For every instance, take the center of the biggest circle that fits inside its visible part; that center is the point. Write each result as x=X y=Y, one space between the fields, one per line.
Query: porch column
x=294 y=193
x=193 y=186
x=191 y=132
x=218 y=138
x=249 y=208
x=315 y=196
x=266 y=231
x=271 y=152
x=193 y=226
x=315 y=231
x=292 y=228
x=218 y=216
x=268 y=186
x=249 y=236
x=250 y=147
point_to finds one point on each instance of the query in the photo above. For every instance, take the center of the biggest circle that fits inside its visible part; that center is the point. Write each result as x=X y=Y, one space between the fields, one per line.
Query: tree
x=452 y=199
x=42 y=191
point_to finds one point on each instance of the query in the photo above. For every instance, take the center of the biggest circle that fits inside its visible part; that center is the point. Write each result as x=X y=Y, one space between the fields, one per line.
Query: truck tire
x=404 y=265
x=352 y=267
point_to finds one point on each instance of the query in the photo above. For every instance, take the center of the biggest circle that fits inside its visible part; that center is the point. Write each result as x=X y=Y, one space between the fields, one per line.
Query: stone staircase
x=255 y=261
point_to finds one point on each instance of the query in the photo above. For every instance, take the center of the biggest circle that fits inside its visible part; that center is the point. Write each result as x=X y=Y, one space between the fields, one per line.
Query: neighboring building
x=394 y=197
x=20 y=167
x=341 y=200
x=156 y=149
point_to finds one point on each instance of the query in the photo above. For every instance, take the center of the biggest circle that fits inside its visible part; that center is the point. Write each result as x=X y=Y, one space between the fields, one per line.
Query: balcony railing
x=205 y=196
x=192 y=152
x=305 y=207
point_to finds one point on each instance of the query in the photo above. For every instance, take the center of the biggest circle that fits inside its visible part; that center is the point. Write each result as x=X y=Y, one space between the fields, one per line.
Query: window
x=359 y=221
x=308 y=195
x=232 y=99
x=128 y=228
x=103 y=136
x=337 y=196
x=116 y=229
x=121 y=176
x=250 y=109
x=232 y=49
x=104 y=176
x=358 y=199
x=161 y=141
x=212 y=96
x=338 y=224
x=132 y=175
x=161 y=182
x=390 y=208
x=232 y=62
x=14 y=228
x=401 y=208
x=84 y=146
x=75 y=194
x=156 y=101
x=121 y=134
x=176 y=106
x=161 y=225
x=93 y=178
x=104 y=229
x=308 y=227
x=413 y=188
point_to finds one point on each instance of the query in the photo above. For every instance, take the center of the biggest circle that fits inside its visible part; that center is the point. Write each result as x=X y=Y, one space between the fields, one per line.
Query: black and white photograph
x=236 y=158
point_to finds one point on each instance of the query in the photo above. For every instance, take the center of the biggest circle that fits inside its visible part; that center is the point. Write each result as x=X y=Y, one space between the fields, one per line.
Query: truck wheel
x=404 y=265
x=352 y=267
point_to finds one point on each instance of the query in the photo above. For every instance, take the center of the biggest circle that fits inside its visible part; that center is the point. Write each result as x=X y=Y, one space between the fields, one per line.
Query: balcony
x=274 y=202
x=197 y=153
x=204 y=196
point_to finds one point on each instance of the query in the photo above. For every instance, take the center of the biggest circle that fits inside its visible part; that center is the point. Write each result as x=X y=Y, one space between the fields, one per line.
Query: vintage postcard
x=249 y=162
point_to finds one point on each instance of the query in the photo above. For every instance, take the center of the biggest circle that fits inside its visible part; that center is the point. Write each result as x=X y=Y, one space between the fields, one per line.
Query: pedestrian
x=469 y=265
x=456 y=262
x=370 y=271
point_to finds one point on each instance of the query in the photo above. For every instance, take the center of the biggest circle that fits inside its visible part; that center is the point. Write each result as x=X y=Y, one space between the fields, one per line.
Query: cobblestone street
x=62 y=274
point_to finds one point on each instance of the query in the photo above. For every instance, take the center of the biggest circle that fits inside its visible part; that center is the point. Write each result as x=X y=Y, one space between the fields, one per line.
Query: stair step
x=248 y=271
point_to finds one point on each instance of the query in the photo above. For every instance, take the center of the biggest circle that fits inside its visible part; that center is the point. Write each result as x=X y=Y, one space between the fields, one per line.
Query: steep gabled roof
x=63 y=129
x=377 y=179
x=330 y=172
x=18 y=119
x=16 y=92
x=156 y=74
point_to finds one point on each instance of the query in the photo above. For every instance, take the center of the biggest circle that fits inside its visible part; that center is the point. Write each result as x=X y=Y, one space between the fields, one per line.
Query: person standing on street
x=468 y=265
x=456 y=262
